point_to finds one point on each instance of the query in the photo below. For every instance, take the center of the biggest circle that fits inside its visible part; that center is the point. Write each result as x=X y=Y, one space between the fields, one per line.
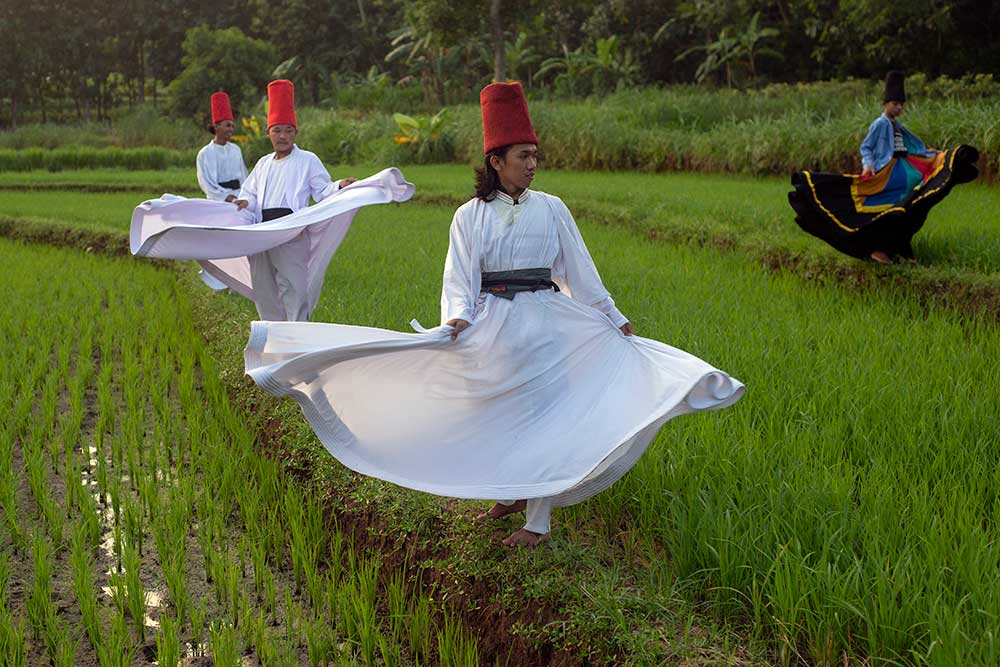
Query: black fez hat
x=894 y=90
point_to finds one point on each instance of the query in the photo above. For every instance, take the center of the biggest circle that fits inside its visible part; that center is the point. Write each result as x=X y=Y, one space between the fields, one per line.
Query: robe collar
x=502 y=196
x=506 y=208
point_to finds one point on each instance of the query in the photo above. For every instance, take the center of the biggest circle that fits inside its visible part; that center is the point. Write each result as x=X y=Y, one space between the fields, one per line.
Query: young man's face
x=282 y=137
x=224 y=131
x=517 y=169
x=893 y=109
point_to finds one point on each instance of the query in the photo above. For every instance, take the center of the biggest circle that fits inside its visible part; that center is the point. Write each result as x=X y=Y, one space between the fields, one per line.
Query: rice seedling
x=83 y=584
x=225 y=652
x=455 y=647
x=199 y=612
x=13 y=642
x=168 y=645
x=420 y=627
x=39 y=601
x=118 y=649
x=135 y=592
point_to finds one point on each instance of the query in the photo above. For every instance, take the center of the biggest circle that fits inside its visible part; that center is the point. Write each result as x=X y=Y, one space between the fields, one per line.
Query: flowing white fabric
x=542 y=396
x=221 y=237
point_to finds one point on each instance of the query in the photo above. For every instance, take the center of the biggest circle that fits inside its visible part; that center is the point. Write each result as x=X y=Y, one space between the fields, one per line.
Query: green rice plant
x=134 y=523
x=356 y=609
x=225 y=651
x=255 y=632
x=198 y=614
x=168 y=645
x=135 y=592
x=390 y=651
x=455 y=647
x=13 y=642
x=89 y=516
x=316 y=583
x=4 y=576
x=319 y=647
x=118 y=649
x=102 y=478
x=420 y=627
x=176 y=579
x=83 y=584
x=8 y=491
x=39 y=602
x=259 y=566
x=270 y=593
x=65 y=650
x=293 y=615
x=396 y=600
x=233 y=583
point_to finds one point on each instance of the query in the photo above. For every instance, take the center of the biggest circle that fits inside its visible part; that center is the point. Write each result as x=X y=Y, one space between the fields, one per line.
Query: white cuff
x=462 y=314
x=607 y=306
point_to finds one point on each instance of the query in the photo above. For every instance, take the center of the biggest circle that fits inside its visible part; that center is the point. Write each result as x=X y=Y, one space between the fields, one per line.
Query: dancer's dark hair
x=487 y=178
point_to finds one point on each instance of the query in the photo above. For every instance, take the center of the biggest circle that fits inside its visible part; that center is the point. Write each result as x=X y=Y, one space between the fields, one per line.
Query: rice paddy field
x=155 y=505
x=139 y=522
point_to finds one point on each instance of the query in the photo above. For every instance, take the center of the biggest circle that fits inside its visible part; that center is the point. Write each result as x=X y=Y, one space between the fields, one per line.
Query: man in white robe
x=534 y=391
x=221 y=170
x=282 y=183
x=220 y=167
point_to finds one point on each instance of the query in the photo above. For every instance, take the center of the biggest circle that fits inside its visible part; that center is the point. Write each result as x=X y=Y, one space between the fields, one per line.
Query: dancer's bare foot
x=500 y=510
x=525 y=538
x=881 y=257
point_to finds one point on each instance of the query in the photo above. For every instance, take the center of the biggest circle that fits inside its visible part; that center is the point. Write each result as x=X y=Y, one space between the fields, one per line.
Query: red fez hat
x=220 y=107
x=281 y=103
x=505 y=116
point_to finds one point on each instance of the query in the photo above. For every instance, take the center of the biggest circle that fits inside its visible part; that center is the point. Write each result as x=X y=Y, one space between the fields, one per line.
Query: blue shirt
x=878 y=146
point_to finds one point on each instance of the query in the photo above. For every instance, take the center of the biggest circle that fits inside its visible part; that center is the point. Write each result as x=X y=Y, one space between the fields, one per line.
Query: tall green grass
x=78 y=157
x=144 y=126
x=774 y=131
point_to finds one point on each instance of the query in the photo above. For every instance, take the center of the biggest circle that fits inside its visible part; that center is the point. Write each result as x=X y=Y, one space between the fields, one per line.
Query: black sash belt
x=230 y=185
x=505 y=284
x=274 y=213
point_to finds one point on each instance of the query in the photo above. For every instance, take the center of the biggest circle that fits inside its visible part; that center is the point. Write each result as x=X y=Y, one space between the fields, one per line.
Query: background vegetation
x=772 y=130
x=83 y=60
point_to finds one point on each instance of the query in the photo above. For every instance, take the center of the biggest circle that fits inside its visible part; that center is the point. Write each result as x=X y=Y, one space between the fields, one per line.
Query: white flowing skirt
x=223 y=238
x=540 y=397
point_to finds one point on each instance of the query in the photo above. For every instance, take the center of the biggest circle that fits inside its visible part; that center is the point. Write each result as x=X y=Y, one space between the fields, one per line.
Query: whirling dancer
x=875 y=214
x=533 y=391
x=221 y=170
x=220 y=167
x=268 y=245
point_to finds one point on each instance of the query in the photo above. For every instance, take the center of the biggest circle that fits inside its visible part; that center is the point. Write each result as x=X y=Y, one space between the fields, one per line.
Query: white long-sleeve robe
x=288 y=182
x=541 y=397
x=223 y=238
x=219 y=164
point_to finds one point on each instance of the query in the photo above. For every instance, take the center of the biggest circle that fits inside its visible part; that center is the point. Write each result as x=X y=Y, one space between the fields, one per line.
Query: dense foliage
x=82 y=60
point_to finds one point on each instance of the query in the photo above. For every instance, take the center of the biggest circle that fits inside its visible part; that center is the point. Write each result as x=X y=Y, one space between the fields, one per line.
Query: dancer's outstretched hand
x=627 y=329
x=458 y=325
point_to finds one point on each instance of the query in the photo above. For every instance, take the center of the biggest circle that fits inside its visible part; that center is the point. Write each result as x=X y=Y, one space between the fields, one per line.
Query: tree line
x=66 y=59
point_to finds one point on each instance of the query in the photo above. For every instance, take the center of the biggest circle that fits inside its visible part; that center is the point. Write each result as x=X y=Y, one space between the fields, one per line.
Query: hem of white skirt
x=336 y=437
